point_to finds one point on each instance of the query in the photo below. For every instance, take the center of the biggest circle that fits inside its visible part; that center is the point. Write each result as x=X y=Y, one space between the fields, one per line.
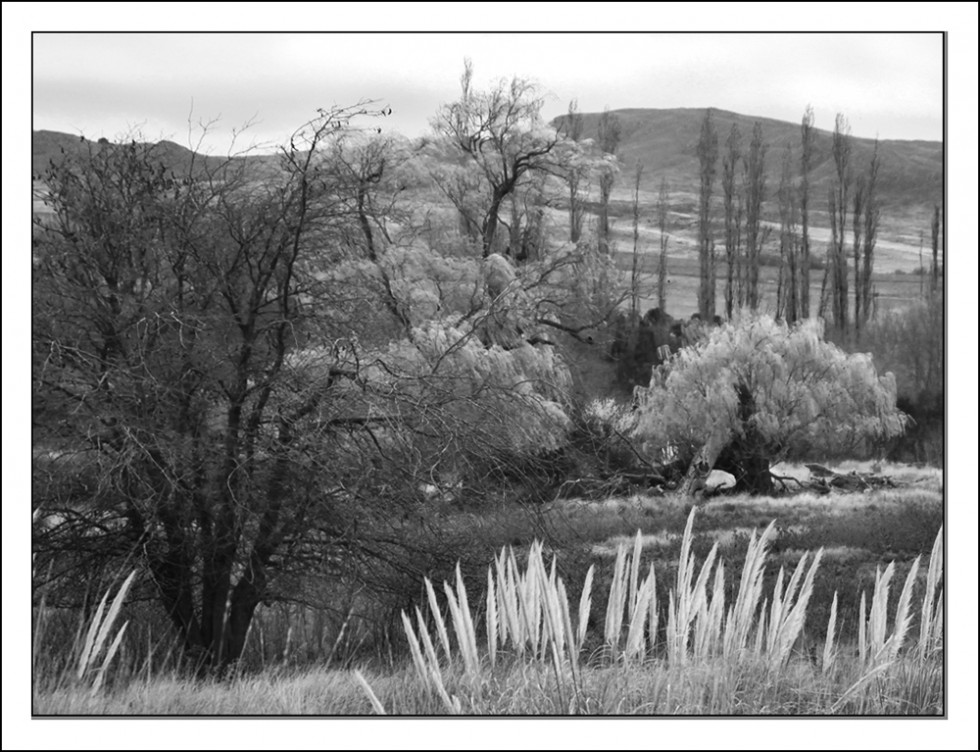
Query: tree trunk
x=489 y=229
x=744 y=458
x=751 y=472
x=574 y=210
x=703 y=463
x=605 y=191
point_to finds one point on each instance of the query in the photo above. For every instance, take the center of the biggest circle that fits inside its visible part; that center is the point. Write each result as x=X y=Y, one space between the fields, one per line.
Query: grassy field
x=859 y=534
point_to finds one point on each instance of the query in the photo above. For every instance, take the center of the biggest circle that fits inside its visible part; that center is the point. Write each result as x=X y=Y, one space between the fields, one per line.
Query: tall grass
x=92 y=650
x=529 y=622
x=686 y=644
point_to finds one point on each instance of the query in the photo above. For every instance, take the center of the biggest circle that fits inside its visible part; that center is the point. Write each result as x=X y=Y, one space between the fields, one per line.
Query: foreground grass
x=519 y=688
x=718 y=651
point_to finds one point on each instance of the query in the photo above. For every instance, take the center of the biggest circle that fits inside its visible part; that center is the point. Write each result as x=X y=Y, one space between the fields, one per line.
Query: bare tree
x=364 y=166
x=838 y=208
x=224 y=403
x=609 y=135
x=733 y=219
x=935 y=249
x=501 y=133
x=787 y=296
x=573 y=129
x=755 y=191
x=707 y=160
x=806 y=163
x=872 y=214
x=663 y=214
x=635 y=272
x=171 y=307
x=920 y=271
x=828 y=282
x=857 y=209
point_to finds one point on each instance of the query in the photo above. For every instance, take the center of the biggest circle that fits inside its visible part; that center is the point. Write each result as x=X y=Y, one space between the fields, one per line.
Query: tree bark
x=703 y=463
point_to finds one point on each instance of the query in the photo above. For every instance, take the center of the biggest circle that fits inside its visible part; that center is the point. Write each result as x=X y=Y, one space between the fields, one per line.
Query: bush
x=909 y=343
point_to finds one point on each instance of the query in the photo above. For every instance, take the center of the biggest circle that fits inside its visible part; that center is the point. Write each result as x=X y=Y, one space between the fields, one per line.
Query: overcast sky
x=890 y=85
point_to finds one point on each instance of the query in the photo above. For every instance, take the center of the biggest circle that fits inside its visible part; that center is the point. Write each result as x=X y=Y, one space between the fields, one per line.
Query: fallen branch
x=783 y=478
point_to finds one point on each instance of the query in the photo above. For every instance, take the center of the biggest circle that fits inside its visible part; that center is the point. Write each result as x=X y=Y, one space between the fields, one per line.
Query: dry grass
x=92 y=651
x=693 y=643
x=529 y=616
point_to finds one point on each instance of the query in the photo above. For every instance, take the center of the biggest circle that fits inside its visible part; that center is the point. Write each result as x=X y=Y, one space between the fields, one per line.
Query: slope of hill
x=48 y=146
x=665 y=143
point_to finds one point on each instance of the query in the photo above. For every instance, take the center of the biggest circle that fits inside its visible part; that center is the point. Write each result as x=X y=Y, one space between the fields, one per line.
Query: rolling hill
x=665 y=141
x=48 y=146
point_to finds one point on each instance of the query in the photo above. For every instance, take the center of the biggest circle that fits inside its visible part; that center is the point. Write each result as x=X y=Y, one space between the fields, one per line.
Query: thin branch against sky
x=888 y=85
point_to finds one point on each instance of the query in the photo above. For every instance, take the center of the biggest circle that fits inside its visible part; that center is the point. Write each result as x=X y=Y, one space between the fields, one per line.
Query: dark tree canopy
x=239 y=380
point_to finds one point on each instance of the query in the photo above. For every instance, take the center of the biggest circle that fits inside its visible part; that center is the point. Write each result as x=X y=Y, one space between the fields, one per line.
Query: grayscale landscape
x=440 y=385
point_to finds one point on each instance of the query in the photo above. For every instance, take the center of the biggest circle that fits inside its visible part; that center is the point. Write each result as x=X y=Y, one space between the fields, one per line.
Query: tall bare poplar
x=857 y=224
x=663 y=214
x=733 y=219
x=921 y=272
x=755 y=191
x=573 y=130
x=806 y=162
x=609 y=133
x=707 y=159
x=787 y=297
x=829 y=258
x=838 y=207
x=635 y=275
x=872 y=213
x=935 y=249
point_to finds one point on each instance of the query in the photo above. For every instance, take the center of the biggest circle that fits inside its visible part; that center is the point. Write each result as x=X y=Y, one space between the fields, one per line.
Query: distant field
x=896 y=255
x=894 y=290
x=894 y=261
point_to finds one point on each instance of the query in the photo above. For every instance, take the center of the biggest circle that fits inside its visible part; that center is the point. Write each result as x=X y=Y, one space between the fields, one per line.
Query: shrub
x=909 y=343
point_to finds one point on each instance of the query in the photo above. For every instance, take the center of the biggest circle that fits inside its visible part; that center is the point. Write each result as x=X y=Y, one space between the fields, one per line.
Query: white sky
x=890 y=87
x=104 y=84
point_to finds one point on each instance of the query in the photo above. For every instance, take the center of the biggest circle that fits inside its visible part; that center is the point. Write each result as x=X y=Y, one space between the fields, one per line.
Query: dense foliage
x=757 y=391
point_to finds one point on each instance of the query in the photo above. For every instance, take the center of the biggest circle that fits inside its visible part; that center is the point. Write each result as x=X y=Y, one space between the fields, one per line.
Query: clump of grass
x=98 y=632
x=528 y=616
x=92 y=651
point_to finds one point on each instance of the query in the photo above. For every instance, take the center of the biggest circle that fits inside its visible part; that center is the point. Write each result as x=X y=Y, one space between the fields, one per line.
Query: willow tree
x=756 y=392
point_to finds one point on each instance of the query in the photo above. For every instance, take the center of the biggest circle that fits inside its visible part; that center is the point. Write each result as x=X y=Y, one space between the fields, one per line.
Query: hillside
x=48 y=146
x=665 y=143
